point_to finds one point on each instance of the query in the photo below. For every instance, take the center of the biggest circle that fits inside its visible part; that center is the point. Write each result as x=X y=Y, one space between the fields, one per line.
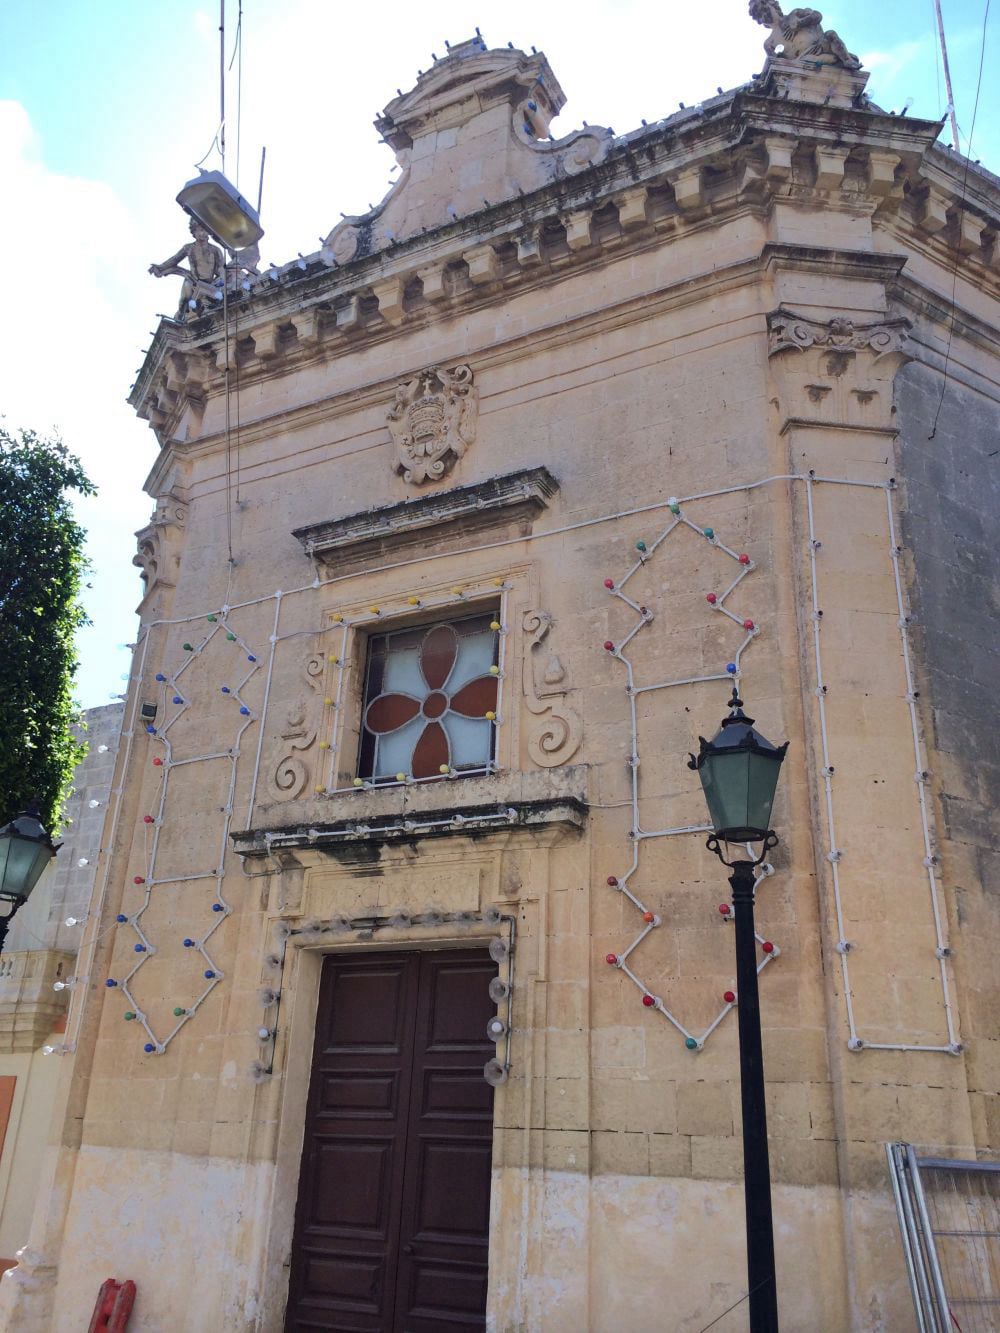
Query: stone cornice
x=869 y=265
x=740 y=151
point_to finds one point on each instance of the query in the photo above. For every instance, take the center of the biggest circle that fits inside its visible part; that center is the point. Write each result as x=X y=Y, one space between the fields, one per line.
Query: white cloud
x=66 y=347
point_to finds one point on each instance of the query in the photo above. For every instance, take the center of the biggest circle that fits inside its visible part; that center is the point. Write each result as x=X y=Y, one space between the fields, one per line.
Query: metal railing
x=949 y=1218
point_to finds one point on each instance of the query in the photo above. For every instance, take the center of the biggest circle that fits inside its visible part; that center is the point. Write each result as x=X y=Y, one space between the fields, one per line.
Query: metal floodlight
x=220 y=208
x=739 y=773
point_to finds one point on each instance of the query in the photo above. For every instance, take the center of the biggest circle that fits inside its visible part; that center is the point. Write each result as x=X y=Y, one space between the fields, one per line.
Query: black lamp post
x=739 y=773
x=25 y=851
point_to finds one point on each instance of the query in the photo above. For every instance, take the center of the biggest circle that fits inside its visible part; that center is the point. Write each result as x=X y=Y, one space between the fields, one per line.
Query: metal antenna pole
x=260 y=185
x=222 y=83
x=947 y=76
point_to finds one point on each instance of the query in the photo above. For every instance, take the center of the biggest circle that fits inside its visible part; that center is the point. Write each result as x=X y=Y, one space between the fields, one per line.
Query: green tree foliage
x=41 y=567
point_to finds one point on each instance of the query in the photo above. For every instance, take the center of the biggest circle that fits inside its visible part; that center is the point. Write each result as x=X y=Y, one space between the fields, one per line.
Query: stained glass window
x=430 y=697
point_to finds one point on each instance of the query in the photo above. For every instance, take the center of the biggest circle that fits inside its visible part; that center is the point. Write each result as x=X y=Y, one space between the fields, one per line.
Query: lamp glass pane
x=724 y=778
x=763 y=781
x=23 y=862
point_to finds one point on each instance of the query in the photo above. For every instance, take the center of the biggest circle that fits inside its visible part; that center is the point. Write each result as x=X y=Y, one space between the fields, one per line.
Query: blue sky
x=105 y=105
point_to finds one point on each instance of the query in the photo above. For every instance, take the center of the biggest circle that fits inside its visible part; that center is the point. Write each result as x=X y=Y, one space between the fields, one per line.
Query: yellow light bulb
x=490 y=717
x=400 y=777
x=324 y=745
x=495 y=624
x=358 y=782
x=338 y=620
x=413 y=601
x=457 y=592
x=334 y=660
x=373 y=610
x=494 y=671
x=319 y=789
x=498 y=583
x=444 y=769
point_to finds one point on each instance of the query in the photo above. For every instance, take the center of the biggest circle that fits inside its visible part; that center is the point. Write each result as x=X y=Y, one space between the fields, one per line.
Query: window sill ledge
x=461 y=806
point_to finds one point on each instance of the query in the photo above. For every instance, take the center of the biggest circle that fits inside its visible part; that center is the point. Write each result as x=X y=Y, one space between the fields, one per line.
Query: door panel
x=391 y=1229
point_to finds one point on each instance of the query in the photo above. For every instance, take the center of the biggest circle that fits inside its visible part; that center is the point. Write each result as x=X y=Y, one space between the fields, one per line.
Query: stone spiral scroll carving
x=558 y=737
x=290 y=775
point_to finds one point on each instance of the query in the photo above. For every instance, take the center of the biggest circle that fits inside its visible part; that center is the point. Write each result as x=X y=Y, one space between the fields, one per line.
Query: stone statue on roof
x=800 y=35
x=204 y=276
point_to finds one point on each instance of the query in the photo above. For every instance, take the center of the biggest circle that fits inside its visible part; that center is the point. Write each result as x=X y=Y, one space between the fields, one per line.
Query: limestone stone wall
x=710 y=367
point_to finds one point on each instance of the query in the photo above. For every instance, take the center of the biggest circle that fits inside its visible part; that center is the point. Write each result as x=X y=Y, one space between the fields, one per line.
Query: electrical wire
x=958 y=250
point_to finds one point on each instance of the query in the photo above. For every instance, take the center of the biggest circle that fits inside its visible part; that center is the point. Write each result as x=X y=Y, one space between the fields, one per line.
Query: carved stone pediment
x=503 y=506
x=432 y=422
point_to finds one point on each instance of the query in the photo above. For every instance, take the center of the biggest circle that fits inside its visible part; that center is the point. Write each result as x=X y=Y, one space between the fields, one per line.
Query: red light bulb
x=748 y=624
x=611 y=958
x=138 y=880
x=729 y=996
x=648 y=1001
x=648 y=916
x=609 y=645
x=148 y=819
x=612 y=881
x=767 y=946
x=711 y=598
x=157 y=763
x=744 y=559
x=609 y=584
x=724 y=909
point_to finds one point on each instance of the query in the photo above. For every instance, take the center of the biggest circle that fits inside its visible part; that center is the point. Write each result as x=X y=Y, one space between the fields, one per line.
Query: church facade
x=410 y=994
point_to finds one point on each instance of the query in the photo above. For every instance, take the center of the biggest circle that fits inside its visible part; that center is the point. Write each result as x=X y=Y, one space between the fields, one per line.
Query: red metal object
x=114 y=1306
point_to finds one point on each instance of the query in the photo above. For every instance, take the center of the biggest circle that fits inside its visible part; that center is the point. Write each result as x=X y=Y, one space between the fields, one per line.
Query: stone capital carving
x=543 y=679
x=787 y=331
x=158 y=545
x=432 y=422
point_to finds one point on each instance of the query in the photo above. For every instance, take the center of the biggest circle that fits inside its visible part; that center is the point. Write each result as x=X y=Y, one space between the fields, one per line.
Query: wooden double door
x=392 y=1220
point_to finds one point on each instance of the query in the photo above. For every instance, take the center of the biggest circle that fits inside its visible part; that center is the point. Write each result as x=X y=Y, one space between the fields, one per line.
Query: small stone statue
x=800 y=35
x=204 y=275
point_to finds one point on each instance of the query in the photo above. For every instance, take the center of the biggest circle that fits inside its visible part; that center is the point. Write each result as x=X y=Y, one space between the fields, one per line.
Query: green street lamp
x=25 y=851
x=739 y=771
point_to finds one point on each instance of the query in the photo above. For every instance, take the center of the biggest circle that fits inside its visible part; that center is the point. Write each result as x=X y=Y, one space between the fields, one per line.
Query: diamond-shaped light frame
x=171 y=680
x=639 y=836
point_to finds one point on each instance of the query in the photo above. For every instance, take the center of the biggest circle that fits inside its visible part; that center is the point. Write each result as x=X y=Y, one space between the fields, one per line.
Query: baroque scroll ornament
x=433 y=421
x=560 y=735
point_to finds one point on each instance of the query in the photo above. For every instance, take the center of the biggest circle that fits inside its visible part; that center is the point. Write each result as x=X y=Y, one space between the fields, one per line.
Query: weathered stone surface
x=741 y=307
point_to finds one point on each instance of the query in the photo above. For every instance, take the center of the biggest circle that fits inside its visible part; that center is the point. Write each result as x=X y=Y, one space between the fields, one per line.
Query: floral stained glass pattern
x=430 y=699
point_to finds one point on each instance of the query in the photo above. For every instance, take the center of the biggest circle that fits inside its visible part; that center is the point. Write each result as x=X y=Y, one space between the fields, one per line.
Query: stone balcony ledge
x=29 y=1006
x=537 y=802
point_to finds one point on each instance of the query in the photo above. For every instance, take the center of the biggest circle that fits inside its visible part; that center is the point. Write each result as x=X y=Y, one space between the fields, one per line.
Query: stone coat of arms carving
x=433 y=421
